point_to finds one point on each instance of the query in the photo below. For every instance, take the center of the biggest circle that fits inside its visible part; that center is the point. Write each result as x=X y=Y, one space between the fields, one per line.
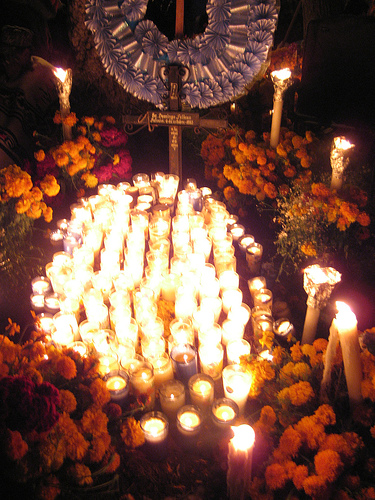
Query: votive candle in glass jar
x=211 y=359
x=117 y=382
x=224 y=412
x=142 y=381
x=231 y=297
x=263 y=298
x=189 y=420
x=245 y=241
x=41 y=285
x=184 y=361
x=236 y=384
x=172 y=397
x=236 y=349
x=155 y=428
x=163 y=369
x=237 y=231
x=255 y=284
x=254 y=253
x=201 y=390
x=240 y=313
x=231 y=330
x=37 y=302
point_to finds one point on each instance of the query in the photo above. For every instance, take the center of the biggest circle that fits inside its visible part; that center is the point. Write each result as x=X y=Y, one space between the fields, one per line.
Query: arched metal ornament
x=223 y=61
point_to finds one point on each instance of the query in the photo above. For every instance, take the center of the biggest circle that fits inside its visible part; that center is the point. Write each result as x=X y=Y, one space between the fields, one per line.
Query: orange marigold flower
x=57 y=118
x=116 y=159
x=48 y=214
x=94 y=421
x=68 y=402
x=70 y=120
x=229 y=192
x=290 y=171
x=290 y=442
x=16 y=446
x=280 y=150
x=49 y=488
x=328 y=465
x=22 y=205
x=301 y=370
x=276 y=476
x=312 y=432
x=297 y=141
x=131 y=433
x=320 y=344
x=82 y=130
x=270 y=190
x=320 y=189
x=39 y=155
x=363 y=219
x=99 y=392
x=98 y=447
x=300 y=473
x=325 y=415
x=61 y=158
x=300 y=393
x=88 y=120
x=268 y=416
x=97 y=137
x=81 y=474
x=50 y=186
x=315 y=487
x=66 y=367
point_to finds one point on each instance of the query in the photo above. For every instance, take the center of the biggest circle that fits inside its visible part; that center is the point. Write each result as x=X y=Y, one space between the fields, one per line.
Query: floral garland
x=223 y=61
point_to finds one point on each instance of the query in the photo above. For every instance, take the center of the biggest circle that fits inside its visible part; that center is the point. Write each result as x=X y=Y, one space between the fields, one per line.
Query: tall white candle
x=346 y=324
x=281 y=80
x=64 y=86
x=240 y=457
x=339 y=160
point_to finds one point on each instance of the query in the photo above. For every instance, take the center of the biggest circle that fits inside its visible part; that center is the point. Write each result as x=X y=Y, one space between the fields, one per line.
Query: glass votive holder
x=231 y=330
x=236 y=384
x=231 y=297
x=155 y=427
x=240 y=313
x=211 y=359
x=237 y=231
x=245 y=241
x=203 y=319
x=142 y=381
x=224 y=263
x=254 y=253
x=236 y=349
x=255 y=284
x=141 y=180
x=41 y=285
x=189 y=420
x=172 y=397
x=45 y=323
x=78 y=346
x=152 y=346
x=283 y=329
x=213 y=304
x=107 y=363
x=263 y=298
x=37 y=302
x=229 y=279
x=158 y=229
x=184 y=361
x=224 y=412
x=201 y=390
x=169 y=284
x=130 y=364
x=163 y=369
x=117 y=382
x=124 y=349
x=210 y=335
x=209 y=288
x=66 y=328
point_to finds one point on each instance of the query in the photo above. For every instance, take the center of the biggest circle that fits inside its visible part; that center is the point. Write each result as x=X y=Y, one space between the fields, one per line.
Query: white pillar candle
x=281 y=80
x=172 y=397
x=240 y=457
x=201 y=390
x=64 y=86
x=339 y=160
x=211 y=359
x=231 y=297
x=346 y=324
x=163 y=369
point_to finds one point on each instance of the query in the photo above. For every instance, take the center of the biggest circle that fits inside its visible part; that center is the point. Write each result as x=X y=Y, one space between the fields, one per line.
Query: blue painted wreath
x=223 y=60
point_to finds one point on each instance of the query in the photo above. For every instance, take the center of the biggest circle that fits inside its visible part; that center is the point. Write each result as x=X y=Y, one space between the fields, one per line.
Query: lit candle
x=41 y=285
x=263 y=298
x=52 y=303
x=143 y=382
x=318 y=283
x=240 y=313
x=37 y=302
x=162 y=368
x=107 y=363
x=78 y=346
x=254 y=253
x=45 y=323
x=201 y=390
x=255 y=284
x=172 y=397
x=245 y=241
x=64 y=86
x=236 y=349
x=118 y=385
x=281 y=80
x=237 y=231
x=339 y=160
x=346 y=324
x=211 y=359
x=240 y=457
x=237 y=383
x=189 y=420
x=184 y=360
x=224 y=412
x=231 y=297
x=231 y=330
x=155 y=429
x=283 y=329
x=66 y=328
x=169 y=285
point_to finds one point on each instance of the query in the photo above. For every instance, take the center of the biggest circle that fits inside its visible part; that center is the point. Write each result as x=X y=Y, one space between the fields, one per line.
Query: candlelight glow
x=281 y=74
x=244 y=437
x=342 y=143
x=345 y=316
x=60 y=74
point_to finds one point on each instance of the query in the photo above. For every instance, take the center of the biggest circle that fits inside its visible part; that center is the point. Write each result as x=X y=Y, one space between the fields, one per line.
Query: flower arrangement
x=249 y=171
x=317 y=222
x=21 y=203
x=307 y=444
x=97 y=154
x=59 y=430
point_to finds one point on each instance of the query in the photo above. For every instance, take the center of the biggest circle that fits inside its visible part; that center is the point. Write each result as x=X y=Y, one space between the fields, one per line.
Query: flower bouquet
x=21 y=203
x=96 y=154
x=308 y=446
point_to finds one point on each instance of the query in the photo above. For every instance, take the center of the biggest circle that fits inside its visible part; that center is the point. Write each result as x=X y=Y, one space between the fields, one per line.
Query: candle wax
x=115 y=383
x=224 y=413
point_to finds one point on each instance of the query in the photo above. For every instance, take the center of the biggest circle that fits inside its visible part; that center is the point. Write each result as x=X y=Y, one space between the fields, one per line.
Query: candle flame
x=281 y=74
x=344 y=313
x=342 y=143
x=244 y=437
x=60 y=74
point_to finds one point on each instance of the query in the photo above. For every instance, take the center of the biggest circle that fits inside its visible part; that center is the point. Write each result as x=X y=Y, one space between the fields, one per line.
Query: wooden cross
x=175 y=119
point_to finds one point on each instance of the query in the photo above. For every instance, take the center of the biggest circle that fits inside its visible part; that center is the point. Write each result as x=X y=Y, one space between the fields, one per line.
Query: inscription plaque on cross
x=174 y=118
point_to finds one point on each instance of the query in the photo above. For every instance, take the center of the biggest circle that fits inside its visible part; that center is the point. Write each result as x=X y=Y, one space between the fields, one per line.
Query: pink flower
x=113 y=137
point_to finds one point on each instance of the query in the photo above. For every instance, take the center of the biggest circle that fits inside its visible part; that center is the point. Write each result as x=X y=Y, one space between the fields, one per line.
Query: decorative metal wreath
x=222 y=61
